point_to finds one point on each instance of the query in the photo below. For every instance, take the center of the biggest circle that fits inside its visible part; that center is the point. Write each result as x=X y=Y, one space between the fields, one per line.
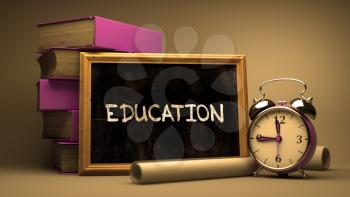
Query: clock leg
x=256 y=173
x=303 y=174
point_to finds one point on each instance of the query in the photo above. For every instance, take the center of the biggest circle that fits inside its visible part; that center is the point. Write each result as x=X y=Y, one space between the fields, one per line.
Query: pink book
x=95 y=32
x=58 y=94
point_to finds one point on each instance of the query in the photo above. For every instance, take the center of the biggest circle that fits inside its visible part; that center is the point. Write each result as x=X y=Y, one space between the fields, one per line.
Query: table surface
x=19 y=181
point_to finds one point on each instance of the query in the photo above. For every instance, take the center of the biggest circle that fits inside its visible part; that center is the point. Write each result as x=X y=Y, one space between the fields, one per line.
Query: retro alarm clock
x=282 y=138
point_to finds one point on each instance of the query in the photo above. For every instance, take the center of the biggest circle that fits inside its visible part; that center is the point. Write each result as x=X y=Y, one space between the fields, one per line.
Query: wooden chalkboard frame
x=86 y=60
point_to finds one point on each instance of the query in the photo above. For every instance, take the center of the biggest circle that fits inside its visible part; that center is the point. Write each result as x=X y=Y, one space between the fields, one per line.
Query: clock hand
x=278 y=137
x=265 y=139
x=278 y=127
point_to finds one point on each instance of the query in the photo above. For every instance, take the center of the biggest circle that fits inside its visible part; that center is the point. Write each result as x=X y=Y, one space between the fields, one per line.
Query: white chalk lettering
x=178 y=115
x=144 y=114
x=110 y=113
x=194 y=113
x=123 y=107
x=191 y=106
x=167 y=114
x=150 y=113
x=215 y=113
x=206 y=117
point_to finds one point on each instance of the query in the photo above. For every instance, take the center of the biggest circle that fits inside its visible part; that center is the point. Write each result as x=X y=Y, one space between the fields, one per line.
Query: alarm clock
x=281 y=137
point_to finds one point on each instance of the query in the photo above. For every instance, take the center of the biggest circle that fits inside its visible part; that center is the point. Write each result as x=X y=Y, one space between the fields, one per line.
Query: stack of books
x=58 y=89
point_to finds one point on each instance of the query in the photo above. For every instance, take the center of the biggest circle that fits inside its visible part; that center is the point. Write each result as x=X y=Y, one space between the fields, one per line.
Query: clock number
x=278 y=159
x=282 y=118
x=299 y=141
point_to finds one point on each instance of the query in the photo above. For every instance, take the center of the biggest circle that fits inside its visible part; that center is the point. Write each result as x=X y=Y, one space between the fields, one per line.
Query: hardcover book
x=61 y=125
x=58 y=94
x=98 y=33
x=65 y=156
x=60 y=62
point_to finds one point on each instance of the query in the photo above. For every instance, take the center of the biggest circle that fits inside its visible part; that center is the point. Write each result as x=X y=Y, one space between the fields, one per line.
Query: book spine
x=75 y=126
x=125 y=37
x=73 y=132
x=64 y=21
x=58 y=94
x=54 y=156
x=65 y=142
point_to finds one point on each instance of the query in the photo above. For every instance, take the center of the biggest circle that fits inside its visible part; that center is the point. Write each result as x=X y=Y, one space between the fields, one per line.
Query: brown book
x=60 y=63
x=65 y=156
x=61 y=125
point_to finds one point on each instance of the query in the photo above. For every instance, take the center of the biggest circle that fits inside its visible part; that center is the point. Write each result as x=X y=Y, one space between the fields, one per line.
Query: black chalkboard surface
x=160 y=106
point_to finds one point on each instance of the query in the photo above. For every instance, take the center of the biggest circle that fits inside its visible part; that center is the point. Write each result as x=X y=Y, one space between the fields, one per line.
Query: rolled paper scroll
x=143 y=172
x=321 y=159
x=191 y=169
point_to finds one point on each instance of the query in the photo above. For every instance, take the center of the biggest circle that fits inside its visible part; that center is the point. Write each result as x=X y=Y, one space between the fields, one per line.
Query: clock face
x=278 y=138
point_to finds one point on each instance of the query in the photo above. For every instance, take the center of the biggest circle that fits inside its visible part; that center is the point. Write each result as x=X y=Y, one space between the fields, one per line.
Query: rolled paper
x=321 y=159
x=143 y=172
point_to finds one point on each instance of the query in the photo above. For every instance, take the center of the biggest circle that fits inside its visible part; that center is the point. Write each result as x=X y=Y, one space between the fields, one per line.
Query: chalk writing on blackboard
x=210 y=113
x=160 y=106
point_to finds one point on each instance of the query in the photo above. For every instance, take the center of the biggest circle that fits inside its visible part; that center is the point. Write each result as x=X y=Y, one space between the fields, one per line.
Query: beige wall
x=308 y=40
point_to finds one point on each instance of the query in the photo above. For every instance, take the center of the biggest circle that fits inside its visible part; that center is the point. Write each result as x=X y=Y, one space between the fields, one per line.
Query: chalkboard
x=160 y=106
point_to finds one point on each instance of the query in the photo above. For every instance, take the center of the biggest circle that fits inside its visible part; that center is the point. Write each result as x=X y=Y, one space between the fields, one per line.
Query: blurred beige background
x=309 y=40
